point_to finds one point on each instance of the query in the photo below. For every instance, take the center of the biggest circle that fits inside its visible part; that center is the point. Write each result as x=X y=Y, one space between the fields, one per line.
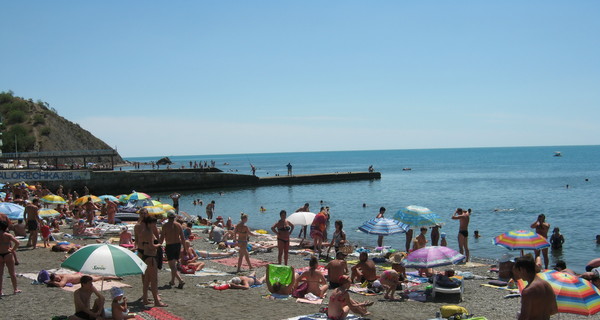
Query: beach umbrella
x=137 y=196
x=383 y=227
x=430 y=257
x=302 y=218
x=108 y=197
x=105 y=260
x=12 y=210
x=84 y=199
x=165 y=206
x=416 y=216
x=573 y=294
x=54 y=199
x=521 y=240
x=121 y=198
x=155 y=210
x=48 y=213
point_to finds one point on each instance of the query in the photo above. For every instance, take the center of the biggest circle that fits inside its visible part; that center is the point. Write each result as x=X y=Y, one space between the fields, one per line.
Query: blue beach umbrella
x=383 y=227
x=12 y=210
x=109 y=198
x=417 y=216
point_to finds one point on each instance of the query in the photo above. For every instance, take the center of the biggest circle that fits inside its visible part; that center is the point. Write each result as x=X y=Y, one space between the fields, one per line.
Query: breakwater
x=116 y=182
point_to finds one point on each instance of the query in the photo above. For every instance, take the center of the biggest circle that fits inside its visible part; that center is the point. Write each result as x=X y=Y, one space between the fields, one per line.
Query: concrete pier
x=117 y=182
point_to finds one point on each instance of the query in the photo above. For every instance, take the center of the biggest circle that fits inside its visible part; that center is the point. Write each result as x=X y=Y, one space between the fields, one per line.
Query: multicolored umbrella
x=54 y=199
x=521 y=240
x=12 y=210
x=155 y=210
x=383 y=227
x=137 y=196
x=416 y=216
x=302 y=218
x=573 y=294
x=108 y=197
x=48 y=213
x=165 y=206
x=122 y=197
x=430 y=257
x=105 y=260
x=84 y=199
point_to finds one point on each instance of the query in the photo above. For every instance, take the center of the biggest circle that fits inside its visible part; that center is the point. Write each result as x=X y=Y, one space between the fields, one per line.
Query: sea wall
x=117 y=182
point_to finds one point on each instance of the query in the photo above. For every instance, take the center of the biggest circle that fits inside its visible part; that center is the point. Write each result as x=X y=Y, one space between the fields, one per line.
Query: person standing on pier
x=289 y=167
x=175 y=197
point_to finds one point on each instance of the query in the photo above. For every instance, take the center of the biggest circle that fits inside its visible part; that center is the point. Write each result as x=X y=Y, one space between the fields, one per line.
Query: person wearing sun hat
x=119 y=304
x=396 y=261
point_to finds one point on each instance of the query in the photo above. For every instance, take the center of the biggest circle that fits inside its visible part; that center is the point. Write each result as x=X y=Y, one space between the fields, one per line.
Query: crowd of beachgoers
x=195 y=264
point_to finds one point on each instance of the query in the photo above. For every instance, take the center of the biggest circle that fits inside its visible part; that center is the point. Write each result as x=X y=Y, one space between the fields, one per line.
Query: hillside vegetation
x=33 y=126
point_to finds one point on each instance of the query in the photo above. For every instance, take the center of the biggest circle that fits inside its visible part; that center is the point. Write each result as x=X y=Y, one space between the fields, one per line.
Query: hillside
x=37 y=127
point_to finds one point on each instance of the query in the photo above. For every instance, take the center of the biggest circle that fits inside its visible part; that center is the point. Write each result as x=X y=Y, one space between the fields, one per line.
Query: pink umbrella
x=430 y=257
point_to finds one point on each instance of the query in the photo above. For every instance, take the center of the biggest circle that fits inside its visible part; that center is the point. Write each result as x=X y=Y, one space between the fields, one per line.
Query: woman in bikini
x=339 y=237
x=148 y=242
x=7 y=257
x=340 y=302
x=317 y=284
x=283 y=229
x=242 y=236
x=245 y=282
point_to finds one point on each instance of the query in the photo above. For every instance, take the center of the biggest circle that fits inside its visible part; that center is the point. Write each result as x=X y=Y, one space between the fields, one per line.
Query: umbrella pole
x=102 y=285
x=522 y=253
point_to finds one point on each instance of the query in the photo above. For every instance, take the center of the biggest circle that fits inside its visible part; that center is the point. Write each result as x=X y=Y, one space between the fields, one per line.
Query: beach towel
x=232 y=262
x=281 y=274
x=303 y=300
x=276 y=296
x=358 y=289
x=205 y=272
x=156 y=314
x=322 y=316
x=98 y=285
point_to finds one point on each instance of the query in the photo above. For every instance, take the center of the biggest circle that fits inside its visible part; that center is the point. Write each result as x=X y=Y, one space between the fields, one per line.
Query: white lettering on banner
x=16 y=176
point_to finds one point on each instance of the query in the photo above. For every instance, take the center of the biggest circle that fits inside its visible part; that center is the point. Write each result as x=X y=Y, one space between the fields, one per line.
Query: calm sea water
x=520 y=182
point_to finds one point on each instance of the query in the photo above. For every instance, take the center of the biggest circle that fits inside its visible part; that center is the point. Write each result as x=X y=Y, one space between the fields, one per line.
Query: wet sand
x=193 y=302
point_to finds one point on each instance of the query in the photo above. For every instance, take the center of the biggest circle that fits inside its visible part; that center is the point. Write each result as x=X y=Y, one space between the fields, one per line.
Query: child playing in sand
x=119 y=305
x=390 y=279
x=45 y=230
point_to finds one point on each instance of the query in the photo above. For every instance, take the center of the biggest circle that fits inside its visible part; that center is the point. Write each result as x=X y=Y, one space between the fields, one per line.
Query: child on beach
x=421 y=239
x=443 y=242
x=119 y=305
x=45 y=230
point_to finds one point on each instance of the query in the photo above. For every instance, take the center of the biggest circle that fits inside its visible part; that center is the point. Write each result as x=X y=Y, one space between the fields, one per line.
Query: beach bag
x=346 y=249
x=301 y=290
x=451 y=310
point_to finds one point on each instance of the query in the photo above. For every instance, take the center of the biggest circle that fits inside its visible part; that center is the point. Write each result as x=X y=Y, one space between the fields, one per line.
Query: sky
x=158 y=78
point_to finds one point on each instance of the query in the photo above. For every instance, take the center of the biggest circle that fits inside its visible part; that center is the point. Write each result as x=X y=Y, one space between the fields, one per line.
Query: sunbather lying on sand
x=244 y=282
x=65 y=247
x=61 y=280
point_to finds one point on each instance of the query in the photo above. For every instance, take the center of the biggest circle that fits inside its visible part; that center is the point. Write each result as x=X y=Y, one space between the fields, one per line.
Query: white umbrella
x=301 y=218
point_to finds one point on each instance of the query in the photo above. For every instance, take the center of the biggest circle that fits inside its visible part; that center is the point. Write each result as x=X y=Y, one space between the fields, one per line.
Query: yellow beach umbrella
x=52 y=198
x=155 y=210
x=85 y=199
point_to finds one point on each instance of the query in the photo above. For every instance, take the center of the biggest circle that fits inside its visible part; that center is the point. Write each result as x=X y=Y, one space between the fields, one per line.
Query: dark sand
x=192 y=302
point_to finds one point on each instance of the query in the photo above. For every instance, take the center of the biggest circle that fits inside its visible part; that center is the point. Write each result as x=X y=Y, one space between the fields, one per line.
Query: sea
x=506 y=188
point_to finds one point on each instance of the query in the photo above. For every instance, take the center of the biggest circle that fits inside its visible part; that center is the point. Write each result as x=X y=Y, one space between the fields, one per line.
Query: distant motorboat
x=557 y=154
x=406 y=169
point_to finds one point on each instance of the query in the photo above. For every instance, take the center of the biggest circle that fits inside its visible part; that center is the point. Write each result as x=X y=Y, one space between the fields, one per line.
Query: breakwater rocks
x=116 y=182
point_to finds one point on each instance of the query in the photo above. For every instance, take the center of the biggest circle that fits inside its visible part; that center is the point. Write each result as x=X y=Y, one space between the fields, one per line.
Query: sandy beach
x=196 y=302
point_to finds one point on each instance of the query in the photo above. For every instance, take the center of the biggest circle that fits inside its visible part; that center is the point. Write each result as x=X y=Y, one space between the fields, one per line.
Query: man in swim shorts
x=172 y=234
x=463 y=230
x=83 y=296
x=32 y=218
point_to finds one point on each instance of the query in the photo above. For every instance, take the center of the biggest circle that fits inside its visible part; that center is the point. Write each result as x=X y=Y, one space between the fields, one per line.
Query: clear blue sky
x=210 y=77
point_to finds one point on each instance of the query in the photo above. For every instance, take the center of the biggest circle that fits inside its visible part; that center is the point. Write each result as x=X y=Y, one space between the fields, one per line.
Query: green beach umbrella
x=105 y=260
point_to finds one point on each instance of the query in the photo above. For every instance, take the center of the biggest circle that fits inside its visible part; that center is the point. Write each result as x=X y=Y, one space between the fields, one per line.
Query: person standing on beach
x=379 y=216
x=175 y=197
x=210 y=210
x=316 y=230
x=172 y=234
x=148 y=242
x=90 y=209
x=32 y=217
x=538 y=300
x=289 y=167
x=435 y=235
x=542 y=227
x=7 y=257
x=111 y=211
x=463 y=231
x=242 y=236
x=283 y=229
